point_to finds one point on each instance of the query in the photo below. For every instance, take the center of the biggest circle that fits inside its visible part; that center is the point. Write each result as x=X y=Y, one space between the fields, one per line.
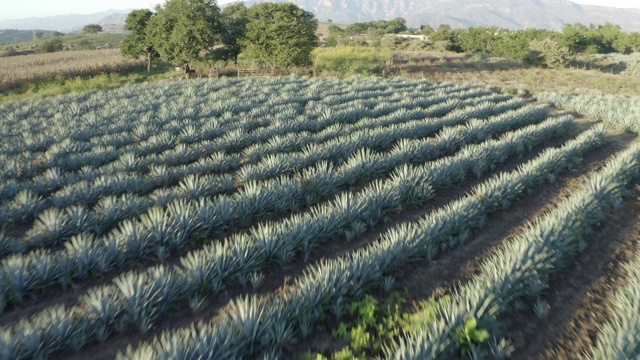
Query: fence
x=272 y=72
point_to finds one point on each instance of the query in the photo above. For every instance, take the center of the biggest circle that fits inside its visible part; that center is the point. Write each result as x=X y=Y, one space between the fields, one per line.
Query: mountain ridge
x=67 y=22
x=510 y=14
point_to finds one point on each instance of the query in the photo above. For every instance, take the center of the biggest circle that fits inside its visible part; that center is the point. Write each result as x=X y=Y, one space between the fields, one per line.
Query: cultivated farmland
x=242 y=218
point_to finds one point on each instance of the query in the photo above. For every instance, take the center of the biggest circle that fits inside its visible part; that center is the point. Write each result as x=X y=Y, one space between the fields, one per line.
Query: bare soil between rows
x=579 y=293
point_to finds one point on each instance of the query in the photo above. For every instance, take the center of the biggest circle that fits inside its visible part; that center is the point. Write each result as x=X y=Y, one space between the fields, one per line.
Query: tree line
x=576 y=38
x=183 y=32
x=533 y=46
x=198 y=31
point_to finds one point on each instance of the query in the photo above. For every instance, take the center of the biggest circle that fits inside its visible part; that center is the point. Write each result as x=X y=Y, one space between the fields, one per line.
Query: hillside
x=13 y=35
x=511 y=14
x=67 y=22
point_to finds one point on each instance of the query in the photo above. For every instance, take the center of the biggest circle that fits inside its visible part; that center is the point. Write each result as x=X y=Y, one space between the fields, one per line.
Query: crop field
x=16 y=70
x=279 y=218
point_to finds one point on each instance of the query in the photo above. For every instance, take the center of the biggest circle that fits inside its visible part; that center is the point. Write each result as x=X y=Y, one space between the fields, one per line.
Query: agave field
x=244 y=218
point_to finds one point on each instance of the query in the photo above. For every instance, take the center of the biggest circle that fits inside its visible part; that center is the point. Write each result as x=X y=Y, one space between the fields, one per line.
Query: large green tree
x=137 y=43
x=280 y=34
x=183 y=30
x=632 y=41
x=234 y=26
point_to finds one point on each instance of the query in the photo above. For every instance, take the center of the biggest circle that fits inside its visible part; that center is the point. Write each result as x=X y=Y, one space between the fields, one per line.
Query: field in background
x=70 y=42
x=511 y=76
x=18 y=70
x=272 y=218
x=91 y=74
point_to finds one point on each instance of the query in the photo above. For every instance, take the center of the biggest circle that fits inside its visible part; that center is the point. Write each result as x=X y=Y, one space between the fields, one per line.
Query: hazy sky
x=13 y=9
x=616 y=3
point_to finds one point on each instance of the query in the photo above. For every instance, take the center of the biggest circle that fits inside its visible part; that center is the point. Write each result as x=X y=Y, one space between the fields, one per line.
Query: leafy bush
x=350 y=60
x=85 y=45
x=92 y=29
x=49 y=46
x=9 y=51
x=547 y=53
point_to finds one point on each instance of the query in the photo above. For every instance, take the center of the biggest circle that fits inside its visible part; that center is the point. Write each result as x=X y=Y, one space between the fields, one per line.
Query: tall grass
x=350 y=60
x=18 y=70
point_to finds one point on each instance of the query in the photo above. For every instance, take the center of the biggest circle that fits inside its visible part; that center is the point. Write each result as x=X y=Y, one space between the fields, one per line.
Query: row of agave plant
x=340 y=125
x=162 y=231
x=521 y=268
x=106 y=111
x=135 y=299
x=73 y=152
x=205 y=99
x=107 y=162
x=144 y=149
x=128 y=171
x=381 y=138
x=618 y=337
x=619 y=111
x=33 y=149
x=259 y=326
x=64 y=219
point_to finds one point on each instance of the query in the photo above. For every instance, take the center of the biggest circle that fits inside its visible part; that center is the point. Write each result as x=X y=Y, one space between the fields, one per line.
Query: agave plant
x=25 y=205
x=102 y=308
x=51 y=226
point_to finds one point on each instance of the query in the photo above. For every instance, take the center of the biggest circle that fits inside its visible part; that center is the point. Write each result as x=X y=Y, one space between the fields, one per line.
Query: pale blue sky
x=13 y=9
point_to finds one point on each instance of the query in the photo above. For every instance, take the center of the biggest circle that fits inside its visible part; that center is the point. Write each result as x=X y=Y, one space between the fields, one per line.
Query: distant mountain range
x=67 y=23
x=11 y=35
x=511 y=14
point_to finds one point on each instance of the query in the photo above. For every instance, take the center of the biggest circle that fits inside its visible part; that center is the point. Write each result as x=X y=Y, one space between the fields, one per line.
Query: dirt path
x=578 y=295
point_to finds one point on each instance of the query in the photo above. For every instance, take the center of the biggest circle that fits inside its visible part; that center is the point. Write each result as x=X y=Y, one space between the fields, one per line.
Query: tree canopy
x=234 y=26
x=51 y=45
x=280 y=34
x=182 y=30
x=91 y=29
x=137 y=43
x=378 y=27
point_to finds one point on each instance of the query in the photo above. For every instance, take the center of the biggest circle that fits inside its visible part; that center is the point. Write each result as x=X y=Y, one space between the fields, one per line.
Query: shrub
x=49 y=46
x=547 y=53
x=9 y=51
x=444 y=45
x=85 y=44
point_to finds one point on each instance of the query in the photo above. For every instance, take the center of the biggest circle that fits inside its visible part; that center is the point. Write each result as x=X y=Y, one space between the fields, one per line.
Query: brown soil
x=501 y=73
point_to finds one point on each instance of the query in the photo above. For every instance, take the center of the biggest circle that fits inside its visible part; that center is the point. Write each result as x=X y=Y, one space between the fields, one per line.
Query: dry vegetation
x=18 y=70
x=466 y=68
